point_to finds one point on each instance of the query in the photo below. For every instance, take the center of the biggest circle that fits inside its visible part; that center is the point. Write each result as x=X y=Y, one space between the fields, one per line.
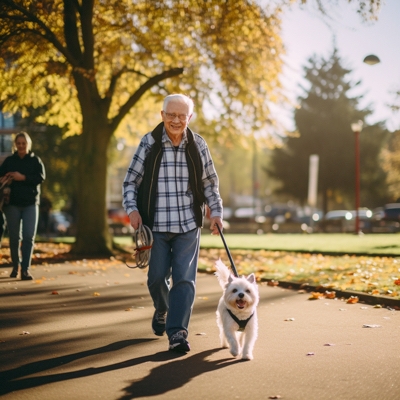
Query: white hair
x=179 y=97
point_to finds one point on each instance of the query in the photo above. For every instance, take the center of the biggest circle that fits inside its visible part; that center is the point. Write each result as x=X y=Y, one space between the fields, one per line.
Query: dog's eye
x=234 y=290
x=247 y=291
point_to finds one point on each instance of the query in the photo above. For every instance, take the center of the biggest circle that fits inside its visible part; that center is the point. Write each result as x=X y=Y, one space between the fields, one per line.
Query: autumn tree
x=391 y=164
x=90 y=63
x=323 y=121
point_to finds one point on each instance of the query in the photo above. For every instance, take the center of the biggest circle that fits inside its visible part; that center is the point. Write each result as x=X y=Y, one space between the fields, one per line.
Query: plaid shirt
x=174 y=202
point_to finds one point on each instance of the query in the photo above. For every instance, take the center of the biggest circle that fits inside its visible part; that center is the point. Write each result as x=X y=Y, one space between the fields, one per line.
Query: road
x=81 y=330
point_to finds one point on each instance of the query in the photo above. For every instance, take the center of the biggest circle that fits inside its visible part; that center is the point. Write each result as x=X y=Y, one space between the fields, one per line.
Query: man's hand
x=213 y=226
x=135 y=219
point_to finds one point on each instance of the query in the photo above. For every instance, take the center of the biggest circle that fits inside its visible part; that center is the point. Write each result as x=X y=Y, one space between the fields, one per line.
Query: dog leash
x=144 y=242
x=228 y=252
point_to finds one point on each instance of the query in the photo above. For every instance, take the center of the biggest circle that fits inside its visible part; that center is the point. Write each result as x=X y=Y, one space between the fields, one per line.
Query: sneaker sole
x=179 y=347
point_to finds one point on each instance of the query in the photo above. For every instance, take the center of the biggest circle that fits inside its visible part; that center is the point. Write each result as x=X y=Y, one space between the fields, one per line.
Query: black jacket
x=27 y=192
x=147 y=191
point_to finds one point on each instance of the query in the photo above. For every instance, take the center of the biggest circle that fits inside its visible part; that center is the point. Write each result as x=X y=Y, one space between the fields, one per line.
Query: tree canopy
x=89 y=63
x=323 y=121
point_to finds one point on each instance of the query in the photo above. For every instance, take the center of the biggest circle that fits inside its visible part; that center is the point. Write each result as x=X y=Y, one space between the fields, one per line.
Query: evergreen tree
x=323 y=122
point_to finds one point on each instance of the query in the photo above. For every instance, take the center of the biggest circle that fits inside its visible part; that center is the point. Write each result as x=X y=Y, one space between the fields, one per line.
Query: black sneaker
x=178 y=342
x=26 y=276
x=158 y=323
x=14 y=273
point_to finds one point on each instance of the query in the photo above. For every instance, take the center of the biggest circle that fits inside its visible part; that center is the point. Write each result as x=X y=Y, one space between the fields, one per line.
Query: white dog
x=237 y=312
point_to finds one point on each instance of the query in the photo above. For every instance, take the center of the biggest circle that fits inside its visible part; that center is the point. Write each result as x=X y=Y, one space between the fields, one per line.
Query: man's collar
x=166 y=138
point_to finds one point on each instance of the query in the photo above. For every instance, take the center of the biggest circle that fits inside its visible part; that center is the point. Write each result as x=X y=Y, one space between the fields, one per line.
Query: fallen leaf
x=54 y=292
x=316 y=296
x=96 y=294
x=289 y=319
x=372 y=326
x=397 y=282
x=377 y=306
x=275 y=397
x=328 y=344
x=352 y=300
x=330 y=295
x=273 y=283
x=310 y=354
x=25 y=333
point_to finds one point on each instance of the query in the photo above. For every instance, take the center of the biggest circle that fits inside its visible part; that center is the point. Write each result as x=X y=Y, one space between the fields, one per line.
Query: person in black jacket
x=26 y=172
x=168 y=183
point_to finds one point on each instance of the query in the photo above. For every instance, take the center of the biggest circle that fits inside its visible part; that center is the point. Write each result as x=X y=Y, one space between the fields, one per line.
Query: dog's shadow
x=175 y=374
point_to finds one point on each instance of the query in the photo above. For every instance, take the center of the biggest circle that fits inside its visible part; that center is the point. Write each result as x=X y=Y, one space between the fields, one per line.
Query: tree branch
x=86 y=14
x=139 y=93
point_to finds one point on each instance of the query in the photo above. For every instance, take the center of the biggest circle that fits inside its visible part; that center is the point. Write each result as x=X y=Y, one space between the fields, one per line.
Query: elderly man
x=169 y=181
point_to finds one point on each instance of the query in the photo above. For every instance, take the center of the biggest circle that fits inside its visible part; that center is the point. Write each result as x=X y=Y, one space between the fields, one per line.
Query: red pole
x=357 y=145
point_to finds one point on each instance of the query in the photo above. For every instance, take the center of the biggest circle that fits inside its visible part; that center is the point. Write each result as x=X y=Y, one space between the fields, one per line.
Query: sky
x=306 y=34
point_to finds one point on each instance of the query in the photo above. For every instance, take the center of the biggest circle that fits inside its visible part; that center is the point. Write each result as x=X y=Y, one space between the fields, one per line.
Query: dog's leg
x=222 y=337
x=250 y=337
x=220 y=324
x=232 y=339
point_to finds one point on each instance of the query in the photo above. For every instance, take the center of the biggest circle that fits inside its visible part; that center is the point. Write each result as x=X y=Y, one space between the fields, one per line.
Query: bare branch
x=47 y=33
x=124 y=110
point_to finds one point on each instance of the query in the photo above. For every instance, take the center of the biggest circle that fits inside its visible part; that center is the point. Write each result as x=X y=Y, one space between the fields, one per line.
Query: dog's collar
x=241 y=322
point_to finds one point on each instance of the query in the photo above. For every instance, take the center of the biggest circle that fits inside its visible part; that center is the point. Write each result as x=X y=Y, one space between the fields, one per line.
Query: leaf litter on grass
x=372 y=275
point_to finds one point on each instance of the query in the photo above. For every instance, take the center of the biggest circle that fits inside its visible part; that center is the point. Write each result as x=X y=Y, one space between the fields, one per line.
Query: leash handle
x=228 y=252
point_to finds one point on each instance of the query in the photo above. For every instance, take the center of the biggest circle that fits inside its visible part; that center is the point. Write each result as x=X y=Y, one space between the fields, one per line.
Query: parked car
x=245 y=220
x=343 y=221
x=118 y=222
x=60 y=223
x=289 y=219
x=386 y=219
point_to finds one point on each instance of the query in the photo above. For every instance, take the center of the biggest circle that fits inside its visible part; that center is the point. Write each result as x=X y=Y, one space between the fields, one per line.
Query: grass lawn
x=368 y=263
x=374 y=244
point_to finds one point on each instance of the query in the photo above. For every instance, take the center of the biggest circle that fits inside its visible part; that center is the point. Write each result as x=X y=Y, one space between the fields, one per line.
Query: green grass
x=368 y=263
x=371 y=244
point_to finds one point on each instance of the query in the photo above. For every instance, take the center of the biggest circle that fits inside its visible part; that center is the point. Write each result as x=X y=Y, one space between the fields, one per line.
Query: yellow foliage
x=229 y=50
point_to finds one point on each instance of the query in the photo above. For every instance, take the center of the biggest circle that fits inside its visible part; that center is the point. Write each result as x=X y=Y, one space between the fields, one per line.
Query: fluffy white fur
x=241 y=297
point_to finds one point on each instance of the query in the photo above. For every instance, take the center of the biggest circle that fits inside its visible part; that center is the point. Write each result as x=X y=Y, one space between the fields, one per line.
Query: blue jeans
x=174 y=255
x=22 y=223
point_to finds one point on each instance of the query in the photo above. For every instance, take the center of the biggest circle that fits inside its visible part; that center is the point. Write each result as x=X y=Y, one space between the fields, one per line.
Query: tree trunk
x=91 y=200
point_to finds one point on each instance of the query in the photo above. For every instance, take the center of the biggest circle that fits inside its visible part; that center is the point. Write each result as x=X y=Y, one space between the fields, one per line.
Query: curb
x=363 y=297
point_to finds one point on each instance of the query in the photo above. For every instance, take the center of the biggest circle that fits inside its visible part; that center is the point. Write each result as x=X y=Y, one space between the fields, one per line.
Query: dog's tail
x=223 y=273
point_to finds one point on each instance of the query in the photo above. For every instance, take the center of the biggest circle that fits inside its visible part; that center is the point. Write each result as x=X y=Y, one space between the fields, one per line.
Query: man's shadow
x=173 y=375
x=168 y=376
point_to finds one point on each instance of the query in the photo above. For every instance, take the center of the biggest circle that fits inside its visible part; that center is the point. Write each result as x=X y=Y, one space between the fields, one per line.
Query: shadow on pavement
x=176 y=374
x=11 y=379
x=169 y=375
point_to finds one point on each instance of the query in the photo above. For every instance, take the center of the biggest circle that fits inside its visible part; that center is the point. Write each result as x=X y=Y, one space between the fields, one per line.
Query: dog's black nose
x=241 y=295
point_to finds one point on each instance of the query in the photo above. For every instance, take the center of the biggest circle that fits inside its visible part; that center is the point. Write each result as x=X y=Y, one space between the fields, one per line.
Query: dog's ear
x=251 y=278
x=230 y=279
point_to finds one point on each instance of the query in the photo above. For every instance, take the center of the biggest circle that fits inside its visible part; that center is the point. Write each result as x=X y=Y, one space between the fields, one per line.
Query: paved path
x=90 y=338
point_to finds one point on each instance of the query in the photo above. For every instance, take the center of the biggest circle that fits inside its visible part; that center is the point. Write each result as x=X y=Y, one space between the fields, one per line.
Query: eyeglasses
x=171 y=117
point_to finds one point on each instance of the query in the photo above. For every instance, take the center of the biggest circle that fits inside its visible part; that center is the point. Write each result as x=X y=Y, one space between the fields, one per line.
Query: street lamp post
x=356 y=128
